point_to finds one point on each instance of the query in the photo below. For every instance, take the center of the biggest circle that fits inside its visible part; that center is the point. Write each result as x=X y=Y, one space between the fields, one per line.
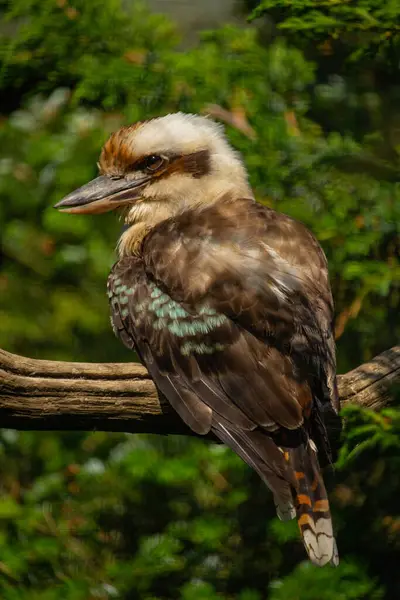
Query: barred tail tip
x=319 y=541
x=312 y=506
x=317 y=534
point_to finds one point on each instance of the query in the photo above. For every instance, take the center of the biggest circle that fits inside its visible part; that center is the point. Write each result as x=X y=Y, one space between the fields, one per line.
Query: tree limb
x=50 y=395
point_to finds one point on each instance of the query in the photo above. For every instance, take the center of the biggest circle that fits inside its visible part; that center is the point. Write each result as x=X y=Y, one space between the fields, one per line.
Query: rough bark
x=50 y=395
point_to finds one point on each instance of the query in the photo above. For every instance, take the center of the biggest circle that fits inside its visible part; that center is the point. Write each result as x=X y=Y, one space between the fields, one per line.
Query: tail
x=312 y=505
x=294 y=477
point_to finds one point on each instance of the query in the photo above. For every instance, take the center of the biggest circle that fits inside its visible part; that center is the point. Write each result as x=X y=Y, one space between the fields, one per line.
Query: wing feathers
x=195 y=413
x=229 y=307
x=259 y=452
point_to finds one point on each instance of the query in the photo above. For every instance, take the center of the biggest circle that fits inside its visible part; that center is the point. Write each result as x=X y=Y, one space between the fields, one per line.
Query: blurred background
x=309 y=92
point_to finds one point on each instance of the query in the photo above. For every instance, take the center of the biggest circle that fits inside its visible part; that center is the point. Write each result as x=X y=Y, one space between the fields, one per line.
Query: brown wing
x=263 y=270
x=230 y=309
x=198 y=356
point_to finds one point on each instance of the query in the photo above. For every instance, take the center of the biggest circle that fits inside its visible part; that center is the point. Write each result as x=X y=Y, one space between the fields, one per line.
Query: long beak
x=101 y=195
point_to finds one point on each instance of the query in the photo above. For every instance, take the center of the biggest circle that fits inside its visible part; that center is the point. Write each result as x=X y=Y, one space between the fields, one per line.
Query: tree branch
x=50 y=395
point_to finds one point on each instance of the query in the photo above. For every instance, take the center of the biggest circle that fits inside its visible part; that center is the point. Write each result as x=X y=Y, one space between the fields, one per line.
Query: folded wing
x=230 y=310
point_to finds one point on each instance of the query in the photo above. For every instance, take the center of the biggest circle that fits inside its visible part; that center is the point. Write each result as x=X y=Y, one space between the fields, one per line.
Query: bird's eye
x=153 y=163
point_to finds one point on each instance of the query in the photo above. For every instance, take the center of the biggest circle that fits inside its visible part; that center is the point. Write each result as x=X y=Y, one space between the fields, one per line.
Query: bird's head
x=157 y=168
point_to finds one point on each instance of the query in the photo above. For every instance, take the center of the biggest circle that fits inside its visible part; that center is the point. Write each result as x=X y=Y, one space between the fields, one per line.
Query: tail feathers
x=293 y=475
x=312 y=506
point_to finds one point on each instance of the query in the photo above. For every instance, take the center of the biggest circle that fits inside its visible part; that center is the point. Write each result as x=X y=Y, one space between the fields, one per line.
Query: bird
x=227 y=303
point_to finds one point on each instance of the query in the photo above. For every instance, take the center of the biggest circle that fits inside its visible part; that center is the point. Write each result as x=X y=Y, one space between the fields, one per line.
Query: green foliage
x=41 y=150
x=372 y=432
x=347 y=582
x=99 y=516
x=370 y=27
x=100 y=53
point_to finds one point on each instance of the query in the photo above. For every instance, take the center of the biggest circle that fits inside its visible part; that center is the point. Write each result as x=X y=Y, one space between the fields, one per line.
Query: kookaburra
x=227 y=303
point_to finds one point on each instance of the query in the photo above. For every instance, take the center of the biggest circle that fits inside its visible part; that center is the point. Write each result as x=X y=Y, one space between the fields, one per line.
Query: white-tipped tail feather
x=312 y=506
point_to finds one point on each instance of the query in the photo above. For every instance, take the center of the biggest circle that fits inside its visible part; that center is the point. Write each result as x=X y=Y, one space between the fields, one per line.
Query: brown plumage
x=228 y=305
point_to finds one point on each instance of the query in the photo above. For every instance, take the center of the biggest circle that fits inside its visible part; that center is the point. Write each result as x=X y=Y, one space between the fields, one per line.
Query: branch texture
x=50 y=395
